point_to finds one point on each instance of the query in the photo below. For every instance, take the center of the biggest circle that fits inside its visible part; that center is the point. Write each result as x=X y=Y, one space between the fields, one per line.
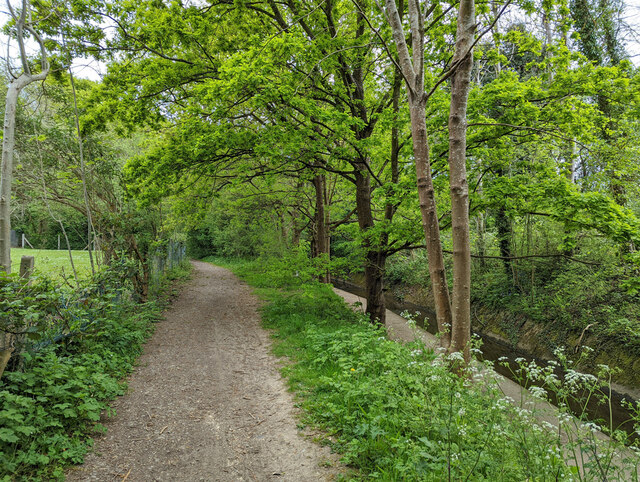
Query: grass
x=394 y=411
x=53 y=263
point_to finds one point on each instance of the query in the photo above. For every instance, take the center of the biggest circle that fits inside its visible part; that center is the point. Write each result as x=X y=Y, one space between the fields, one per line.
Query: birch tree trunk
x=16 y=84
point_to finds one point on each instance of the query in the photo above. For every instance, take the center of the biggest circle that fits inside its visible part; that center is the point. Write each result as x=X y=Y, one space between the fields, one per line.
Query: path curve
x=207 y=402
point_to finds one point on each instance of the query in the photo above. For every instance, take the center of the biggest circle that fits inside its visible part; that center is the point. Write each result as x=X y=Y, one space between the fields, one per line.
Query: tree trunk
x=503 y=225
x=430 y=223
x=412 y=67
x=460 y=85
x=16 y=84
x=322 y=228
x=374 y=260
x=374 y=282
x=6 y=178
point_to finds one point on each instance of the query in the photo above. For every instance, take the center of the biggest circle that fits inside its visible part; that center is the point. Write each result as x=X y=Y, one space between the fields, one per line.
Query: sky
x=632 y=17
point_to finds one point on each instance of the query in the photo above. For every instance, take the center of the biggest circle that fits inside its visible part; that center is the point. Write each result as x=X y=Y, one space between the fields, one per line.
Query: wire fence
x=74 y=314
x=166 y=259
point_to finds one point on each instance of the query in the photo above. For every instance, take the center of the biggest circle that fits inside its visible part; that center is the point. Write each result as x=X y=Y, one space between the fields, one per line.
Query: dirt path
x=207 y=402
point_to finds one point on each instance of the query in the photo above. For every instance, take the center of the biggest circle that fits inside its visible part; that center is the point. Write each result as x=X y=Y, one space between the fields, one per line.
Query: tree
x=459 y=187
x=453 y=315
x=17 y=82
x=304 y=95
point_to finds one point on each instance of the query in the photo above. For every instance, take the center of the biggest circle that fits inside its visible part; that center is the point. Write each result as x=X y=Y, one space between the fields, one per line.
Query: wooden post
x=58 y=242
x=27 y=264
x=22 y=244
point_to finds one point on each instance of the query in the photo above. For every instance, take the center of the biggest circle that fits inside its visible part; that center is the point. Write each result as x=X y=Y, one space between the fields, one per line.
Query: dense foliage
x=262 y=129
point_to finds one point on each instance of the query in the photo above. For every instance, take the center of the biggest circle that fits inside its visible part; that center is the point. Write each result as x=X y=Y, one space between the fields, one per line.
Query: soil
x=207 y=402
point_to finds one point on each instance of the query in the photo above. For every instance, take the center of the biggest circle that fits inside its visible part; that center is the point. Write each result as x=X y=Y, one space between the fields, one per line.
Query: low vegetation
x=397 y=413
x=79 y=345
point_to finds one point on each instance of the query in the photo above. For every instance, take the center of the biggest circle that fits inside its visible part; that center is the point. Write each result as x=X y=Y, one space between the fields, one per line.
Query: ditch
x=494 y=348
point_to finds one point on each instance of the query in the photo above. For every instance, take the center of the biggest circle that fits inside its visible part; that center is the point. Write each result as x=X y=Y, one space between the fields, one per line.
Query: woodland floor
x=207 y=402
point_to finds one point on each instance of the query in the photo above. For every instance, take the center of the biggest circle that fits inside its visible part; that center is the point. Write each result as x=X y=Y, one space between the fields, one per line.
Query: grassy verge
x=394 y=411
x=52 y=263
x=50 y=410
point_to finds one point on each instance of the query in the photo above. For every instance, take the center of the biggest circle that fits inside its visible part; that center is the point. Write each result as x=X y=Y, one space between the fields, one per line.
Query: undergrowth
x=395 y=411
x=52 y=406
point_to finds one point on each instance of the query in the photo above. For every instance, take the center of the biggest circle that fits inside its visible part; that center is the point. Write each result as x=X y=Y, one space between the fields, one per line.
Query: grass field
x=52 y=262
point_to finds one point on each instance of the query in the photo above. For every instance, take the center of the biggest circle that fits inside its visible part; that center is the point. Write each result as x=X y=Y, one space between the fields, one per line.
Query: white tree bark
x=16 y=84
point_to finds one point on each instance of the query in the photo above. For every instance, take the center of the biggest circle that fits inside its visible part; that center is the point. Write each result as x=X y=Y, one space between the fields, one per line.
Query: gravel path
x=207 y=402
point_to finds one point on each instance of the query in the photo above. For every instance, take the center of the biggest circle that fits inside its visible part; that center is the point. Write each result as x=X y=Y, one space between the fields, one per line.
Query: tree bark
x=459 y=188
x=430 y=223
x=8 y=143
x=16 y=84
x=503 y=225
x=322 y=228
x=374 y=281
x=374 y=257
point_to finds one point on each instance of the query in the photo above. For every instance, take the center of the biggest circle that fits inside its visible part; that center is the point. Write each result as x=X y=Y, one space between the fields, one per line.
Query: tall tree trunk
x=16 y=84
x=503 y=225
x=296 y=224
x=322 y=228
x=460 y=85
x=6 y=179
x=481 y=226
x=374 y=260
x=430 y=223
x=390 y=209
x=412 y=68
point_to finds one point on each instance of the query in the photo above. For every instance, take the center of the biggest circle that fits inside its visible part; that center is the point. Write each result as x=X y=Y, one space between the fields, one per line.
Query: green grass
x=394 y=411
x=53 y=263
